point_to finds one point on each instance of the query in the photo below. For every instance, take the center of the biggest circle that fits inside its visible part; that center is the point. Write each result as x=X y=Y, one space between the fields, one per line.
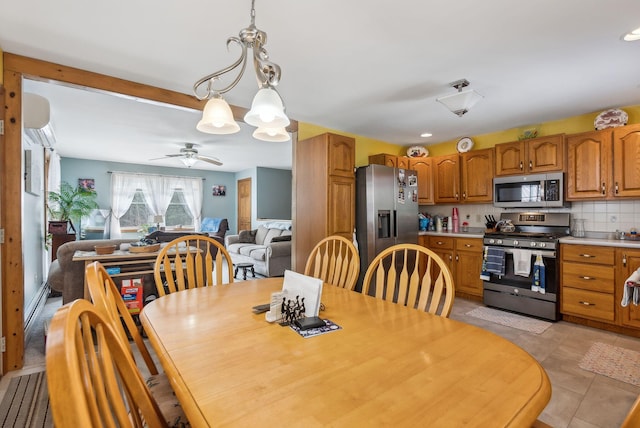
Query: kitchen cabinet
x=324 y=191
x=627 y=262
x=588 y=277
x=603 y=165
x=390 y=160
x=535 y=156
x=463 y=256
x=424 y=168
x=465 y=177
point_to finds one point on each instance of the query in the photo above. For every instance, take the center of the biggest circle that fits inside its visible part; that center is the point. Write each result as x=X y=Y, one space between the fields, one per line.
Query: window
x=139 y=213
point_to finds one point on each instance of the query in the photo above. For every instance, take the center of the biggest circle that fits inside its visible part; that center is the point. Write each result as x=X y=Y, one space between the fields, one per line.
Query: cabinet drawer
x=588 y=277
x=591 y=254
x=469 y=244
x=588 y=303
x=441 y=242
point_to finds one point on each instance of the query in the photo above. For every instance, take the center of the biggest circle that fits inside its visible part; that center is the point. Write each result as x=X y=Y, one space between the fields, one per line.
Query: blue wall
x=212 y=206
x=273 y=194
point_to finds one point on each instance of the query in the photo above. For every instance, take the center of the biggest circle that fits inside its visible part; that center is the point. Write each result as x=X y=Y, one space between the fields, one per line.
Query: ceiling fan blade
x=168 y=156
x=209 y=159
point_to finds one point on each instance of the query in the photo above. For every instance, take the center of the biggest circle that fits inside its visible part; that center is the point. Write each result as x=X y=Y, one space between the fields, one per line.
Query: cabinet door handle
x=624 y=260
x=586 y=303
x=439 y=242
x=468 y=245
x=464 y=195
x=586 y=256
x=457 y=258
x=457 y=197
x=604 y=189
x=530 y=165
x=521 y=166
x=616 y=187
x=588 y=278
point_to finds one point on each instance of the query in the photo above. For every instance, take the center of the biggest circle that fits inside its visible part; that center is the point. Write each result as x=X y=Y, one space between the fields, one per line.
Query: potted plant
x=69 y=204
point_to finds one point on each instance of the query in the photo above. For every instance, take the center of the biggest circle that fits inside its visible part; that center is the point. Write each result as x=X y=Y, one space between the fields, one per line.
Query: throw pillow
x=247 y=236
x=281 y=238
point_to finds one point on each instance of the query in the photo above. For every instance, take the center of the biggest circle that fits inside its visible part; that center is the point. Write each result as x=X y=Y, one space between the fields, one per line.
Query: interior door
x=244 y=204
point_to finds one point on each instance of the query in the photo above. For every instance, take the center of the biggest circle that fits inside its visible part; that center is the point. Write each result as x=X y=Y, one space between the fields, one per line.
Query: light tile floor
x=580 y=399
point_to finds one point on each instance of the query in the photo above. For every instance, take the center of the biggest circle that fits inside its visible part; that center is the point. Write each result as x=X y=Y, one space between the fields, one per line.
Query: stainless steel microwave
x=529 y=191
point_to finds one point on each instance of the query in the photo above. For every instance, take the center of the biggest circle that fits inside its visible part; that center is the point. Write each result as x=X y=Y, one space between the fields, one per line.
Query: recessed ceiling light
x=632 y=36
x=426 y=135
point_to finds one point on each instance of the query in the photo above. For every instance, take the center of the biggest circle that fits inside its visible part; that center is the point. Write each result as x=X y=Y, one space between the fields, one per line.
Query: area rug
x=26 y=402
x=531 y=325
x=612 y=361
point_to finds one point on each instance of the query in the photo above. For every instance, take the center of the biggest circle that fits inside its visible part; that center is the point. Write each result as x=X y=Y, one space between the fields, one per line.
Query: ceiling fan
x=189 y=155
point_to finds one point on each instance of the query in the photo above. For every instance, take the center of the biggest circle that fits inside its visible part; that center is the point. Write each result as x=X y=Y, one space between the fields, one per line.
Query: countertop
x=605 y=242
x=474 y=232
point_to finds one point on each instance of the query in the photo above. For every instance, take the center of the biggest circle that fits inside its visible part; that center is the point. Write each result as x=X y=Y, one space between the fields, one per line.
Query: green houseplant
x=70 y=203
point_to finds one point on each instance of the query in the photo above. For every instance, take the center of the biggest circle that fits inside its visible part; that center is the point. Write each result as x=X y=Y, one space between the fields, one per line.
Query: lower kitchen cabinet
x=463 y=256
x=628 y=261
x=588 y=275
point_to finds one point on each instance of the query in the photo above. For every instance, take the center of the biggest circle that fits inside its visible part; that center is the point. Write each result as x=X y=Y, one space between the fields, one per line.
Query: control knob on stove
x=533 y=244
x=543 y=244
x=516 y=242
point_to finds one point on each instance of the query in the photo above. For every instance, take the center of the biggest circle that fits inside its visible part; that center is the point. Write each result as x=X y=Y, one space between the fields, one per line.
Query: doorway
x=244 y=204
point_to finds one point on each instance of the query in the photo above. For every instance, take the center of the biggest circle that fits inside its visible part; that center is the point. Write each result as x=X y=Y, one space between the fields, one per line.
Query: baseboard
x=41 y=300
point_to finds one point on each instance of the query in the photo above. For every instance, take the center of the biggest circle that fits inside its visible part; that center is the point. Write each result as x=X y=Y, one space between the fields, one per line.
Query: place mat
x=26 y=402
x=521 y=322
x=613 y=361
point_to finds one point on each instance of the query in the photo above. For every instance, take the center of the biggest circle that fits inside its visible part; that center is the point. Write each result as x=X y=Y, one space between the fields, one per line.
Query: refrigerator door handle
x=395 y=223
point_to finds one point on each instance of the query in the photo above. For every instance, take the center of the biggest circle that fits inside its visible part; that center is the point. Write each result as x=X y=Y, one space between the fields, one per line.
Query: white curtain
x=157 y=191
x=192 y=191
x=54 y=174
x=123 y=189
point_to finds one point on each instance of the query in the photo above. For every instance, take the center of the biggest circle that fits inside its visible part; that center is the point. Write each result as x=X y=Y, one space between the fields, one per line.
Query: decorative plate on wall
x=417 y=152
x=464 y=144
x=611 y=118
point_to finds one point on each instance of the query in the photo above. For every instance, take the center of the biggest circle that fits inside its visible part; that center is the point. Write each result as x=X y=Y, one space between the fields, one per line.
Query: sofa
x=66 y=276
x=268 y=247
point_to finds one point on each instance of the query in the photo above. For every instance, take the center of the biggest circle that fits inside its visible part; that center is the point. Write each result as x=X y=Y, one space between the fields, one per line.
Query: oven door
x=513 y=292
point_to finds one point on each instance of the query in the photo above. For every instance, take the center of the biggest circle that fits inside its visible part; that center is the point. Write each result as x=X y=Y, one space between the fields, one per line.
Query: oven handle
x=543 y=253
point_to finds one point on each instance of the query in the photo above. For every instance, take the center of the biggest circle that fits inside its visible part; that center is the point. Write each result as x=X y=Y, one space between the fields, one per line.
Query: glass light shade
x=267 y=110
x=217 y=118
x=189 y=162
x=632 y=36
x=271 y=134
x=460 y=102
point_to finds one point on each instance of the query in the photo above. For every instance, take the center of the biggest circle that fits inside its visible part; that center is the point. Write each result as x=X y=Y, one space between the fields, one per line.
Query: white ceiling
x=370 y=68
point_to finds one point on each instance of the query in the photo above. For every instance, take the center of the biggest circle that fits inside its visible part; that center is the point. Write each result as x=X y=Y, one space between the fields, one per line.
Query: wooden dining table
x=387 y=365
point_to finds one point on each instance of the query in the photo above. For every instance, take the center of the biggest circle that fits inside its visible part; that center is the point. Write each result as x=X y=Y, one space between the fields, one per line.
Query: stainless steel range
x=533 y=234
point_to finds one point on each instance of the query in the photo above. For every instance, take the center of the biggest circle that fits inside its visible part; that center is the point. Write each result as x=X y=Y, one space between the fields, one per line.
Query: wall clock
x=464 y=144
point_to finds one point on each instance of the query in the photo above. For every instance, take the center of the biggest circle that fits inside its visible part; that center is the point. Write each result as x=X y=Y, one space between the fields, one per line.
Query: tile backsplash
x=600 y=216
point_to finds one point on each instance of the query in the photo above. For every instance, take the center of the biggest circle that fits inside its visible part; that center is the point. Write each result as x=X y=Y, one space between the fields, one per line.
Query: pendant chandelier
x=267 y=109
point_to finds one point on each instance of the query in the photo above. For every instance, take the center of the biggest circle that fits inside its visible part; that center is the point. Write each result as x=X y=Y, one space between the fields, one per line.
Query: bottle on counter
x=455 y=220
x=438 y=224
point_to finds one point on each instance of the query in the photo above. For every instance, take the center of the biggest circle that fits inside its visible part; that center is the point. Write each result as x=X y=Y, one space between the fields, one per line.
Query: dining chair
x=632 y=419
x=334 y=260
x=107 y=298
x=192 y=261
x=413 y=276
x=91 y=375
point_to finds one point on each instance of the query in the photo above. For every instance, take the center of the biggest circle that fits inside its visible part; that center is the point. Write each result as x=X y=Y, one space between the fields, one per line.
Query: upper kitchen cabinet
x=424 y=168
x=604 y=164
x=389 y=160
x=533 y=156
x=466 y=177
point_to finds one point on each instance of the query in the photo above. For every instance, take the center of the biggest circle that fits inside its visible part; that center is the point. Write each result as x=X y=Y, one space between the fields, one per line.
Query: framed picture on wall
x=88 y=184
x=219 y=190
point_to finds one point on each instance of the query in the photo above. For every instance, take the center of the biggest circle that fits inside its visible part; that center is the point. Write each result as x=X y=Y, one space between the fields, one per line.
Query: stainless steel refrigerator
x=386 y=210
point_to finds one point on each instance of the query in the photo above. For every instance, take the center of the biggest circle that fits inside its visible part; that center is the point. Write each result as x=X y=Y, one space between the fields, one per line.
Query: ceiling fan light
x=460 y=102
x=267 y=110
x=189 y=161
x=271 y=134
x=217 y=118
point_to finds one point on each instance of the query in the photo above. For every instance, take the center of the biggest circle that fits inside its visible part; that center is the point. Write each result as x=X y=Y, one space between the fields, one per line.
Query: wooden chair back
x=106 y=296
x=192 y=261
x=91 y=375
x=413 y=276
x=633 y=417
x=334 y=260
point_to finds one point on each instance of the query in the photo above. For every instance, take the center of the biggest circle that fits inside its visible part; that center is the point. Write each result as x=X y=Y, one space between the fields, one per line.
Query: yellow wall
x=368 y=146
x=571 y=125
